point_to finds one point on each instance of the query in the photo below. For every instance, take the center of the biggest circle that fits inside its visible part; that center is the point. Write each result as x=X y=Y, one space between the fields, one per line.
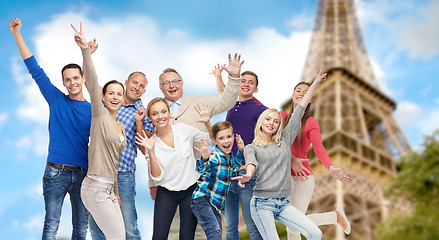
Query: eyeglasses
x=173 y=82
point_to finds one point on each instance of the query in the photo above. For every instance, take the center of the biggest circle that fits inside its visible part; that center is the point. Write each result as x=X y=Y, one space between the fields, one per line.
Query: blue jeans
x=208 y=217
x=235 y=196
x=127 y=192
x=265 y=210
x=56 y=184
x=165 y=205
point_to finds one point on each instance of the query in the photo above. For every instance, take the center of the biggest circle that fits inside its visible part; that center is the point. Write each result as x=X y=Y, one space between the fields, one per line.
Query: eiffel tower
x=358 y=130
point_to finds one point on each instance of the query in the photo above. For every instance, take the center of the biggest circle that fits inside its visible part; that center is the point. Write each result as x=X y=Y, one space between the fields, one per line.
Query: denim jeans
x=127 y=192
x=235 y=196
x=56 y=184
x=165 y=205
x=208 y=217
x=265 y=210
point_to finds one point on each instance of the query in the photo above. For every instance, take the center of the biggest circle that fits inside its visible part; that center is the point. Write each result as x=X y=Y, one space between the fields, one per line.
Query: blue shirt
x=243 y=117
x=125 y=114
x=69 y=121
x=215 y=179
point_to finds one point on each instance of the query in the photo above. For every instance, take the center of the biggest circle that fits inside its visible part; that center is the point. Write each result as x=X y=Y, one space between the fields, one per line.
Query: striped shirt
x=125 y=115
x=215 y=179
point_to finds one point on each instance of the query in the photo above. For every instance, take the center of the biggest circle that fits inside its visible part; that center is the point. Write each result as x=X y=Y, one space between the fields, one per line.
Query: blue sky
x=192 y=36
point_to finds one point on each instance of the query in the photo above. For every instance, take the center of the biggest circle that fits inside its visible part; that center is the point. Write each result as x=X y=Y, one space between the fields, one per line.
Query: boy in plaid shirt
x=216 y=167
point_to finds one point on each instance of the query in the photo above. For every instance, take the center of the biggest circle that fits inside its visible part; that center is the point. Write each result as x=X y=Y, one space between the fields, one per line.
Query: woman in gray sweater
x=270 y=157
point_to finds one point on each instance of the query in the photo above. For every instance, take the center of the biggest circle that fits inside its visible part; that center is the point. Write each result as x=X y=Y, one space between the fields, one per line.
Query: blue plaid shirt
x=125 y=115
x=215 y=179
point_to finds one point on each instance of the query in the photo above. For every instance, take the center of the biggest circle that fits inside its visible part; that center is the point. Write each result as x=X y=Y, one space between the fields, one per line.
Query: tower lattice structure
x=358 y=130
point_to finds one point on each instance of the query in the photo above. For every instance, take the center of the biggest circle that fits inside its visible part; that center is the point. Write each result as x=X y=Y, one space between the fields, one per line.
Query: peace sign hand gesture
x=80 y=37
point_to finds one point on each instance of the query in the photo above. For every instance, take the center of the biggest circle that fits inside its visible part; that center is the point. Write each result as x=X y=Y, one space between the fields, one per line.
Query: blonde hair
x=259 y=136
x=154 y=101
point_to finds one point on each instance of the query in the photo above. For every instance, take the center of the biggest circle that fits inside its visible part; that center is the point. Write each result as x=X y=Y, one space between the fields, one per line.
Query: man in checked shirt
x=133 y=116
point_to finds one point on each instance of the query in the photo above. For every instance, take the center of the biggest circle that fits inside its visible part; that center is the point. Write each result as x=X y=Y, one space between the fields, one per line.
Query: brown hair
x=104 y=89
x=305 y=117
x=219 y=126
x=251 y=74
x=154 y=101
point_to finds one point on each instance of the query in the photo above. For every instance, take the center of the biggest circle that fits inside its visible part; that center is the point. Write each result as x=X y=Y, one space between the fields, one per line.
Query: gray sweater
x=273 y=162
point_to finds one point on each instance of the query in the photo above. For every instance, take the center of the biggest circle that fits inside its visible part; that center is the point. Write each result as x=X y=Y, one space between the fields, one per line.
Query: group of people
x=256 y=158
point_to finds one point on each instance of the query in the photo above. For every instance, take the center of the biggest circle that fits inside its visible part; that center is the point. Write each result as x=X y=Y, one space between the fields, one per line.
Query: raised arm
x=139 y=117
x=92 y=79
x=308 y=96
x=220 y=86
x=227 y=99
x=148 y=144
x=202 y=110
x=15 y=27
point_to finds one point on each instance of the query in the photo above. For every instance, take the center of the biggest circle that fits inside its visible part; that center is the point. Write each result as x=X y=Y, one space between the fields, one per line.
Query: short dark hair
x=251 y=74
x=71 y=65
x=104 y=89
x=221 y=125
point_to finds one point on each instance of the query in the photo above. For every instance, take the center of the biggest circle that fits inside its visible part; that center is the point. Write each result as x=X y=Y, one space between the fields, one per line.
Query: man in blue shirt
x=69 y=131
x=133 y=116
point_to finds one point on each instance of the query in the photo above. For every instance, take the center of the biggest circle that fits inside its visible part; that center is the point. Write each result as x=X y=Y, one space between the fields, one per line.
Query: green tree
x=418 y=183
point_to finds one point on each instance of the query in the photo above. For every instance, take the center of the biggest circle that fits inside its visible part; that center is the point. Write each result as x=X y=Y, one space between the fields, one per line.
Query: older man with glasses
x=183 y=111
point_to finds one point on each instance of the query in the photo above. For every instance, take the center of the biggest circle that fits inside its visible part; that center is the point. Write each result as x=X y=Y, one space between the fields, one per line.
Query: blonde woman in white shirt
x=171 y=164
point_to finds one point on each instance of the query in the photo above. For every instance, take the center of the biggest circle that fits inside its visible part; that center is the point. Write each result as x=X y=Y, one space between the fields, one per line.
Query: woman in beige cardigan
x=99 y=188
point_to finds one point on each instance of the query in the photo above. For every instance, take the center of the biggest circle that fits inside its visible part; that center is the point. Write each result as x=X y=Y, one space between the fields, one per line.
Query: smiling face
x=73 y=81
x=171 y=91
x=224 y=140
x=136 y=87
x=248 y=87
x=271 y=124
x=113 y=97
x=299 y=92
x=158 y=113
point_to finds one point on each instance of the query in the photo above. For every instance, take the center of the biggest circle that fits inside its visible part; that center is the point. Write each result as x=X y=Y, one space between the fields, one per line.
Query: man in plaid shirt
x=216 y=168
x=133 y=116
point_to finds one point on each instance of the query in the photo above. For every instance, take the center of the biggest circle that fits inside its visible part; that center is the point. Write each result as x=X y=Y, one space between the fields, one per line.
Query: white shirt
x=177 y=165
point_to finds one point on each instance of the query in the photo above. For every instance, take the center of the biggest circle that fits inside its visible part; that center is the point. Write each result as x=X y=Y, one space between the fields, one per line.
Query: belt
x=64 y=166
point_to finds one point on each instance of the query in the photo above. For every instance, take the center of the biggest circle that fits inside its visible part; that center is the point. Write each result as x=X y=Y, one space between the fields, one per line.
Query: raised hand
x=15 y=25
x=320 y=76
x=80 y=37
x=93 y=46
x=204 y=149
x=140 y=115
x=203 y=110
x=338 y=174
x=300 y=171
x=234 y=68
x=239 y=143
x=146 y=142
x=216 y=72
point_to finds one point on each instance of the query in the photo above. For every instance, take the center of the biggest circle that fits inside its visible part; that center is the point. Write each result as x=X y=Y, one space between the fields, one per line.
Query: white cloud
x=407 y=113
x=3 y=118
x=37 y=142
x=429 y=122
x=33 y=107
x=301 y=21
x=437 y=100
x=34 y=223
x=419 y=33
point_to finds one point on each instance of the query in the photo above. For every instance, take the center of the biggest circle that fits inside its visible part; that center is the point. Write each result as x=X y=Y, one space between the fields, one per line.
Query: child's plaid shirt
x=215 y=179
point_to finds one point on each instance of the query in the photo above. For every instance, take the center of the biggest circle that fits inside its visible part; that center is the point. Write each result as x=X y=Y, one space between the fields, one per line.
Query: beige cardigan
x=105 y=144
